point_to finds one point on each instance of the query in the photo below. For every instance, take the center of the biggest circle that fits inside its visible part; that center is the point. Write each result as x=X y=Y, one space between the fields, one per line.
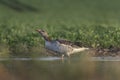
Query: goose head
x=44 y=34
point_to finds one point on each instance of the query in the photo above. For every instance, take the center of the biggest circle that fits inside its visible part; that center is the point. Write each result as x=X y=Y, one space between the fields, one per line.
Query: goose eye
x=43 y=31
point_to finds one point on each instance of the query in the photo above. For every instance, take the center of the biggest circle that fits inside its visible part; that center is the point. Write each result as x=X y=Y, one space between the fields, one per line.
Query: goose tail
x=80 y=49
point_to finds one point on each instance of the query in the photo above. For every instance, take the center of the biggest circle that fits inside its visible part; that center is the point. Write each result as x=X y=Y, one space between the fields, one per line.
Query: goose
x=60 y=46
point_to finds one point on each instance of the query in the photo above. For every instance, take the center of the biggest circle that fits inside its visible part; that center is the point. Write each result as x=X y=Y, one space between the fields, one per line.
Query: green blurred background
x=94 y=23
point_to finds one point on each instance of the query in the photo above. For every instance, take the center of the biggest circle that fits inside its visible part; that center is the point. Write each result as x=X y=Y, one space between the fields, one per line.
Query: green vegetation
x=94 y=23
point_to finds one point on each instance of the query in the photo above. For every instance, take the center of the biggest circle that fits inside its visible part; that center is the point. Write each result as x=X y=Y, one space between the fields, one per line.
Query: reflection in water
x=4 y=74
x=110 y=58
x=28 y=59
x=77 y=69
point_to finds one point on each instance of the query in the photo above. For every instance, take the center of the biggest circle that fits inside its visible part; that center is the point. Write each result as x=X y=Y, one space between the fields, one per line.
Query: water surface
x=53 y=68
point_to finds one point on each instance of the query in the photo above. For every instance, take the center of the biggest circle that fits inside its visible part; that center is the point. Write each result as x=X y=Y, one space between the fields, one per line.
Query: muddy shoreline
x=112 y=51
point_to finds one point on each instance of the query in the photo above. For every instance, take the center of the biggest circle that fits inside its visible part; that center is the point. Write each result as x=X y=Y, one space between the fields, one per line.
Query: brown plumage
x=62 y=47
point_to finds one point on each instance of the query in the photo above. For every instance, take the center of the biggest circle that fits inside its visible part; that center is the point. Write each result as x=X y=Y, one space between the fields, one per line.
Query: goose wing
x=67 y=42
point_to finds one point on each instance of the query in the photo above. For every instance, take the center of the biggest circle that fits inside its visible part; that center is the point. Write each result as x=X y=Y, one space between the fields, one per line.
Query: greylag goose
x=61 y=47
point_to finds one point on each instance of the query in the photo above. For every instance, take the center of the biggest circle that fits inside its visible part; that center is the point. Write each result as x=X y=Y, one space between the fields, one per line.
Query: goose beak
x=38 y=30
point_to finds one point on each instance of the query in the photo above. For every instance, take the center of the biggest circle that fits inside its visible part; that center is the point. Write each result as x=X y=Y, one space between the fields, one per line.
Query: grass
x=94 y=23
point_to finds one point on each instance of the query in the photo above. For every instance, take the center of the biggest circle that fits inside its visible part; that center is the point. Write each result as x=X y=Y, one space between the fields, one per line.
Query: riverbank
x=87 y=22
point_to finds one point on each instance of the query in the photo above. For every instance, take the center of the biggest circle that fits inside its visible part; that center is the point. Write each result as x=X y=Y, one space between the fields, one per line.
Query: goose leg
x=62 y=56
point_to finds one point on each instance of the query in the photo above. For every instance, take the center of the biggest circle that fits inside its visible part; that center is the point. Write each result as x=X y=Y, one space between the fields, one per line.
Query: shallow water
x=54 y=68
x=28 y=59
